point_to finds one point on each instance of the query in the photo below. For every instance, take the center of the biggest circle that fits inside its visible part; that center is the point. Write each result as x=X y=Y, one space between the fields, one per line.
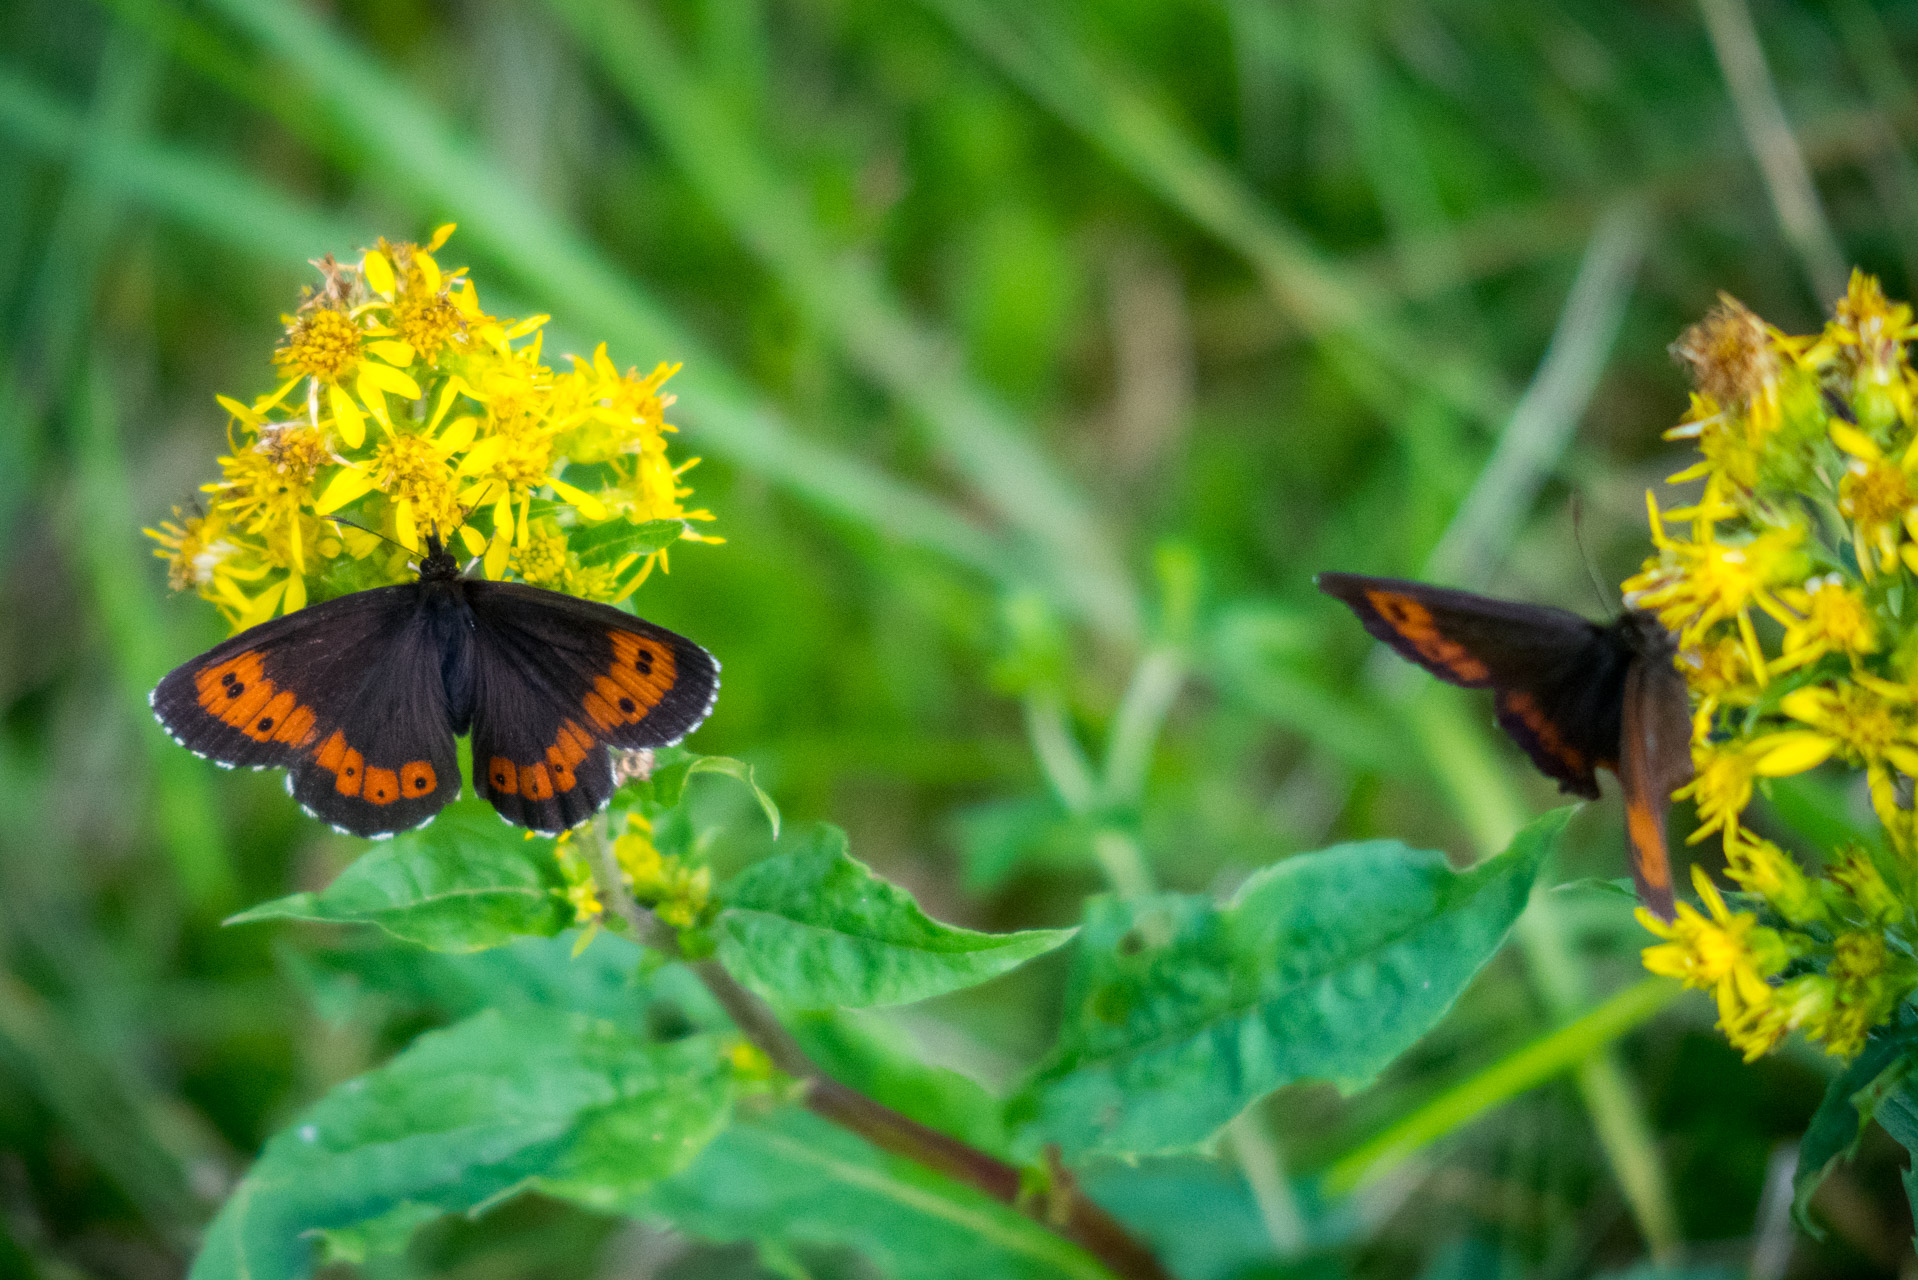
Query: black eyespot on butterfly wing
x=1559 y=679
x=345 y=694
x=558 y=680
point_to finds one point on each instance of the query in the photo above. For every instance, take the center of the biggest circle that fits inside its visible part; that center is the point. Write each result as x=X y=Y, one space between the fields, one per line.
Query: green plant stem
x=1063 y=1208
x=1483 y=798
x=1552 y=1054
x=1155 y=686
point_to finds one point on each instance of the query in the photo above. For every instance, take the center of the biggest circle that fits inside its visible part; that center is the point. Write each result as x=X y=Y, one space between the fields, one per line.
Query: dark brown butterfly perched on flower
x=1577 y=696
x=359 y=699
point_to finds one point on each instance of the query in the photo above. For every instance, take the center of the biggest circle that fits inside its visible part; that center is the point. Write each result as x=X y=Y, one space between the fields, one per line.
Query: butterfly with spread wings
x=1577 y=696
x=360 y=698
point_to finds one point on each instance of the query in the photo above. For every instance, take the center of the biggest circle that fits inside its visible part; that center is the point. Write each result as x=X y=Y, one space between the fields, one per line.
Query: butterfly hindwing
x=557 y=681
x=1656 y=746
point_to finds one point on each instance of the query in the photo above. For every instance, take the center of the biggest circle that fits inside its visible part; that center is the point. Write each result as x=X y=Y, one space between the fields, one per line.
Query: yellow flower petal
x=405 y=526
x=243 y=412
x=1808 y=704
x=268 y=402
x=347 y=417
x=394 y=352
x=295 y=599
x=441 y=234
x=429 y=270
x=1854 y=442
x=481 y=456
x=589 y=506
x=1793 y=751
x=474 y=540
x=386 y=378
x=457 y=437
x=349 y=484
x=378 y=272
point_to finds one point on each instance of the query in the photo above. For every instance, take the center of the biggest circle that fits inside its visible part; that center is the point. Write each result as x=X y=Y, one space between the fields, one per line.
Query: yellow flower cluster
x=1791 y=582
x=407 y=412
x=678 y=893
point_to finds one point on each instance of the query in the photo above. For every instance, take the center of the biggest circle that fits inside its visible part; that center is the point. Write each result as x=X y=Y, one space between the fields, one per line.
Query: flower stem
x=1063 y=1208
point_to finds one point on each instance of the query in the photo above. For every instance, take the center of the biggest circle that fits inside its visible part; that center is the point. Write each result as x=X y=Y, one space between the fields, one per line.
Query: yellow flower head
x=409 y=412
x=1791 y=581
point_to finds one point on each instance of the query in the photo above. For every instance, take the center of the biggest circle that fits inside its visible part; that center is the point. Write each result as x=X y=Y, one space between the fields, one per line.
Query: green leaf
x=1850 y=1101
x=792 y=1178
x=1325 y=966
x=464 y=883
x=813 y=928
x=607 y=542
x=568 y=1105
x=870 y=1054
x=674 y=768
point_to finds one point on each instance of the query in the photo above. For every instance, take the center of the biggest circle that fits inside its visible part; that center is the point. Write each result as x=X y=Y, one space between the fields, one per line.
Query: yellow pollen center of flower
x=1876 y=495
x=324 y=344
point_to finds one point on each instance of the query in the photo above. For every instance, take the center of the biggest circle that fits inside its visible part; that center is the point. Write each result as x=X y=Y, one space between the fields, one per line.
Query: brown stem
x=1062 y=1208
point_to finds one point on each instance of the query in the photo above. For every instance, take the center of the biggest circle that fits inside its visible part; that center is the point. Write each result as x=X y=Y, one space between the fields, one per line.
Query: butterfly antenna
x=354 y=524
x=1584 y=554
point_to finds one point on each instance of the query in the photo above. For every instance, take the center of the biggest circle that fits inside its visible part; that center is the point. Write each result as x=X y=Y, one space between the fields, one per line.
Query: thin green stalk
x=123 y=599
x=846 y=295
x=1551 y=1055
x=1483 y=797
x=1060 y=757
x=1155 y=685
x=1548 y=414
x=1121 y=120
x=1762 y=117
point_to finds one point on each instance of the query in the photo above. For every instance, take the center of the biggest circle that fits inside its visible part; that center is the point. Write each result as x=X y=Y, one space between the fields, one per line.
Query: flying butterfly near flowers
x=360 y=698
x=1577 y=696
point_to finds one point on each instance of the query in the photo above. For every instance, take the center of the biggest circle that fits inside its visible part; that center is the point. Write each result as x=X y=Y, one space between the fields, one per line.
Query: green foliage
x=464 y=883
x=813 y=928
x=791 y=1178
x=538 y=1100
x=1869 y=1082
x=1326 y=966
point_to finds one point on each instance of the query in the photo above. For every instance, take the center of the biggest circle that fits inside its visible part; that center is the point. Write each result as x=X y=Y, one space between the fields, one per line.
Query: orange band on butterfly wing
x=382 y=786
x=504 y=775
x=1526 y=708
x=1414 y=623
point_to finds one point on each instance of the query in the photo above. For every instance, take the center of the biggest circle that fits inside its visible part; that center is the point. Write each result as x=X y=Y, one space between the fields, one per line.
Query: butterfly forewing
x=558 y=680
x=345 y=694
x=1559 y=678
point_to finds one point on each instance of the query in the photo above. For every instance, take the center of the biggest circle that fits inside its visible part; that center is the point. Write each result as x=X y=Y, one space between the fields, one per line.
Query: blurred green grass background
x=1039 y=355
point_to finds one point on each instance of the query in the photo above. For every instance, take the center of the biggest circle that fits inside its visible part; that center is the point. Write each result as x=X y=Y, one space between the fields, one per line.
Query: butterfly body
x=360 y=699
x=1576 y=695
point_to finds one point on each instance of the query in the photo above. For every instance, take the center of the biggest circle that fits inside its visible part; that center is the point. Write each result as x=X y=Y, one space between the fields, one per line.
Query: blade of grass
x=237 y=210
x=78 y=243
x=1762 y=117
x=1548 y=414
x=1332 y=305
x=1482 y=795
x=1543 y=1059
x=845 y=294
